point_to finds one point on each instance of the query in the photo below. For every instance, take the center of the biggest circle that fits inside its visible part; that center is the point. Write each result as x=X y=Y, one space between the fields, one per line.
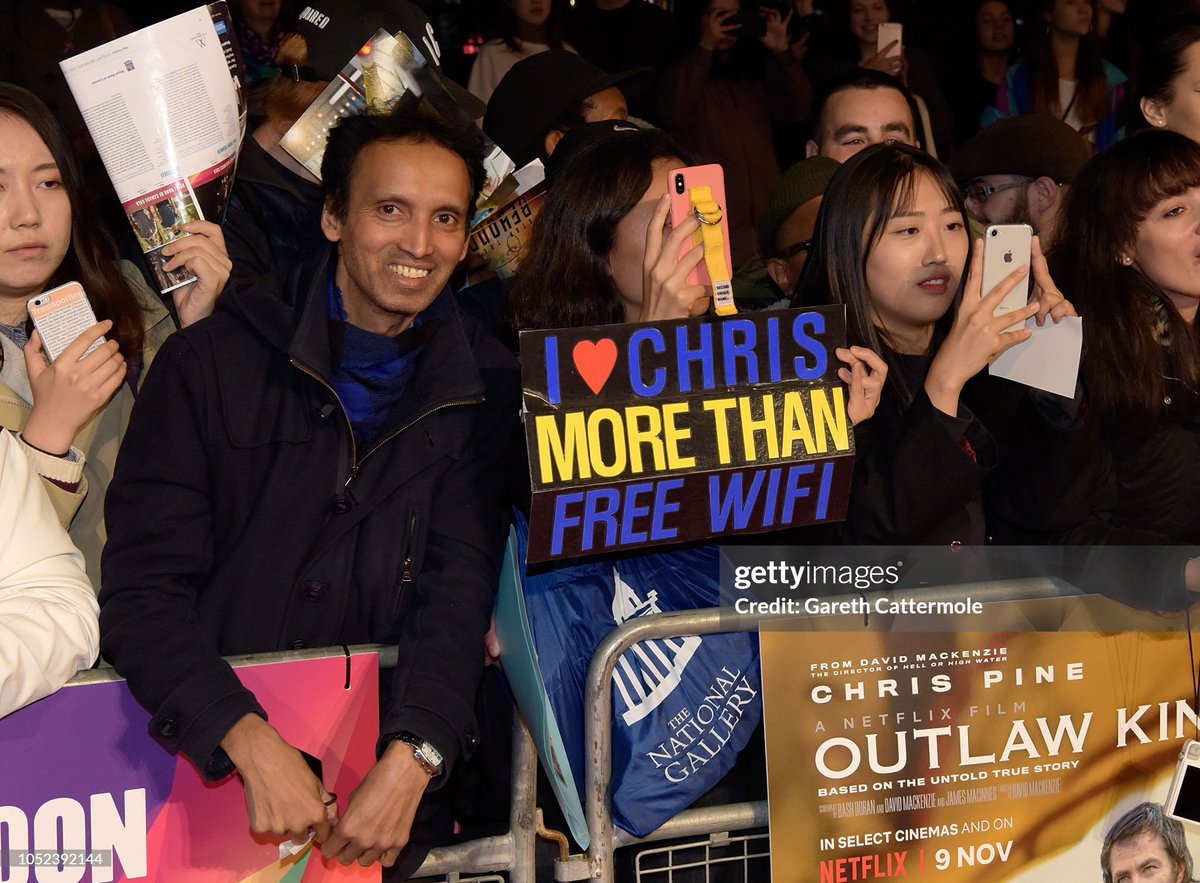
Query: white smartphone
x=60 y=315
x=890 y=31
x=1183 y=800
x=1005 y=248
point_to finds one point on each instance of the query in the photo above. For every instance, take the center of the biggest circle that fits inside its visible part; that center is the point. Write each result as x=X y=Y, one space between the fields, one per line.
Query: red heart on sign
x=595 y=362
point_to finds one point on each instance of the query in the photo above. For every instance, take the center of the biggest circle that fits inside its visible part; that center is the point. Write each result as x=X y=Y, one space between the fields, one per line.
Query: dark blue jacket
x=242 y=518
x=273 y=219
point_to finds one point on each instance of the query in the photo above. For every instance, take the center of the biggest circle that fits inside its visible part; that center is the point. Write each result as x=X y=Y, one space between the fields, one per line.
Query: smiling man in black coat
x=318 y=464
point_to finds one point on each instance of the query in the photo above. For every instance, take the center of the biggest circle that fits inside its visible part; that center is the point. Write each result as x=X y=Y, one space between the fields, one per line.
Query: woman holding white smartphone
x=892 y=246
x=72 y=413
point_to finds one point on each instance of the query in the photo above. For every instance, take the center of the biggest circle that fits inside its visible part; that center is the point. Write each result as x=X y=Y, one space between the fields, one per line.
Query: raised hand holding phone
x=60 y=315
x=69 y=391
x=1051 y=302
x=889 y=41
x=717 y=25
x=977 y=336
x=668 y=291
x=1005 y=248
x=889 y=51
x=698 y=192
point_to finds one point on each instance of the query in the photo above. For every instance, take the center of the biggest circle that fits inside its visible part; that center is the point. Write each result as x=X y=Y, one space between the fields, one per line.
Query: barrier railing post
x=523 y=812
x=598 y=704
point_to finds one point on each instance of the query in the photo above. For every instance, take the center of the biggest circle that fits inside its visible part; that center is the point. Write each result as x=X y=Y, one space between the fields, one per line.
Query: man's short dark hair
x=862 y=78
x=409 y=119
x=1142 y=818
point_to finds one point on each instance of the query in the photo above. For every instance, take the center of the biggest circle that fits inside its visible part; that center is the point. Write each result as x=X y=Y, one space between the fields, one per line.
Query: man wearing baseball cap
x=1017 y=171
x=542 y=97
x=335 y=31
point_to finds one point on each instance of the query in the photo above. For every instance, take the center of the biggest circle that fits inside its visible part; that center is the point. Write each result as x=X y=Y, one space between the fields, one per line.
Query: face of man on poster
x=1144 y=859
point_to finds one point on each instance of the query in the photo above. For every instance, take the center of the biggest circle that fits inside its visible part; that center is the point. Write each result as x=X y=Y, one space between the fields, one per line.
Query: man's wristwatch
x=427 y=756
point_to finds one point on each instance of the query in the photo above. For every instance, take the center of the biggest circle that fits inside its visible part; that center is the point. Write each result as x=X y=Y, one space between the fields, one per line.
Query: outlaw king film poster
x=967 y=755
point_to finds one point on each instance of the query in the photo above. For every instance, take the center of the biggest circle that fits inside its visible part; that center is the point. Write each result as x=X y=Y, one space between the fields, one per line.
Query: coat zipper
x=406 y=574
x=355 y=463
x=345 y=416
x=475 y=401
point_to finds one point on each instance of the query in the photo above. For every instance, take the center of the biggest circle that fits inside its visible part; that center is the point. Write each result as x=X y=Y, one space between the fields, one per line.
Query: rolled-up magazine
x=165 y=107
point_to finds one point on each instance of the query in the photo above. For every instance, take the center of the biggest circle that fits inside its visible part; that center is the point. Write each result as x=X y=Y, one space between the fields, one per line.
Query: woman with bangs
x=1132 y=253
x=892 y=247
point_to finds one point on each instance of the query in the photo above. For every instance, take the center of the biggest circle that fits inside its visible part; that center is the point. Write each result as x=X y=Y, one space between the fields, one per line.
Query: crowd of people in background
x=358 y=380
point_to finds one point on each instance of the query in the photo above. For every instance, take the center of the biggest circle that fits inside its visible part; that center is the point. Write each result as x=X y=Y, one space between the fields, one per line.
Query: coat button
x=341 y=506
x=298 y=645
x=313 y=591
x=168 y=728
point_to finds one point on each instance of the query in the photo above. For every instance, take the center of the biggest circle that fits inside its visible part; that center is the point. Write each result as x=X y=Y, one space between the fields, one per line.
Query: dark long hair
x=1092 y=102
x=1165 y=56
x=870 y=188
x=1125 y=360
x=91 y=259
x=564 y=281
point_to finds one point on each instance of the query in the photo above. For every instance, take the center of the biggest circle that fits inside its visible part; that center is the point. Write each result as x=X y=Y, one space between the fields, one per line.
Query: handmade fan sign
x=666 y=432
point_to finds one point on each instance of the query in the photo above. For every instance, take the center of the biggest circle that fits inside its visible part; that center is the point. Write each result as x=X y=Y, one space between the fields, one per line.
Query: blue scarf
x=371 y=371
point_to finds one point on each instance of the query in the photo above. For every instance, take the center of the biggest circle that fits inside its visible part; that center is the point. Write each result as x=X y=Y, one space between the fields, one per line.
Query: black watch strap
x=425 y=753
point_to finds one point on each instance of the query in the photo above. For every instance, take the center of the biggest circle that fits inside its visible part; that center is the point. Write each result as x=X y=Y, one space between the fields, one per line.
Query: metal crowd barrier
x=514 y=853
x=597 y=864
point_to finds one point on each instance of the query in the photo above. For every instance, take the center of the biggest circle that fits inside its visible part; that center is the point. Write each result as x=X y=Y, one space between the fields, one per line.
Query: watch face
x=428 y=756
x=431 y=754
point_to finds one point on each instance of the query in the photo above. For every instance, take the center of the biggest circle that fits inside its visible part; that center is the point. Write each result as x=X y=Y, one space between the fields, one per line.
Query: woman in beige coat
x=71 y=414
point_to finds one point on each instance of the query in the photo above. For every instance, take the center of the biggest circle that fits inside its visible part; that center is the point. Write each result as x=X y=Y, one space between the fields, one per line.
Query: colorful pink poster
x=83 y=782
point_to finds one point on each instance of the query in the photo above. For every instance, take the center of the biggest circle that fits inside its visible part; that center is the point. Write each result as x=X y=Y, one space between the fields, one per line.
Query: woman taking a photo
x=603 y=252
x=72 y=413
x=853 y=42
x=892 y=247
x=598 y=254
